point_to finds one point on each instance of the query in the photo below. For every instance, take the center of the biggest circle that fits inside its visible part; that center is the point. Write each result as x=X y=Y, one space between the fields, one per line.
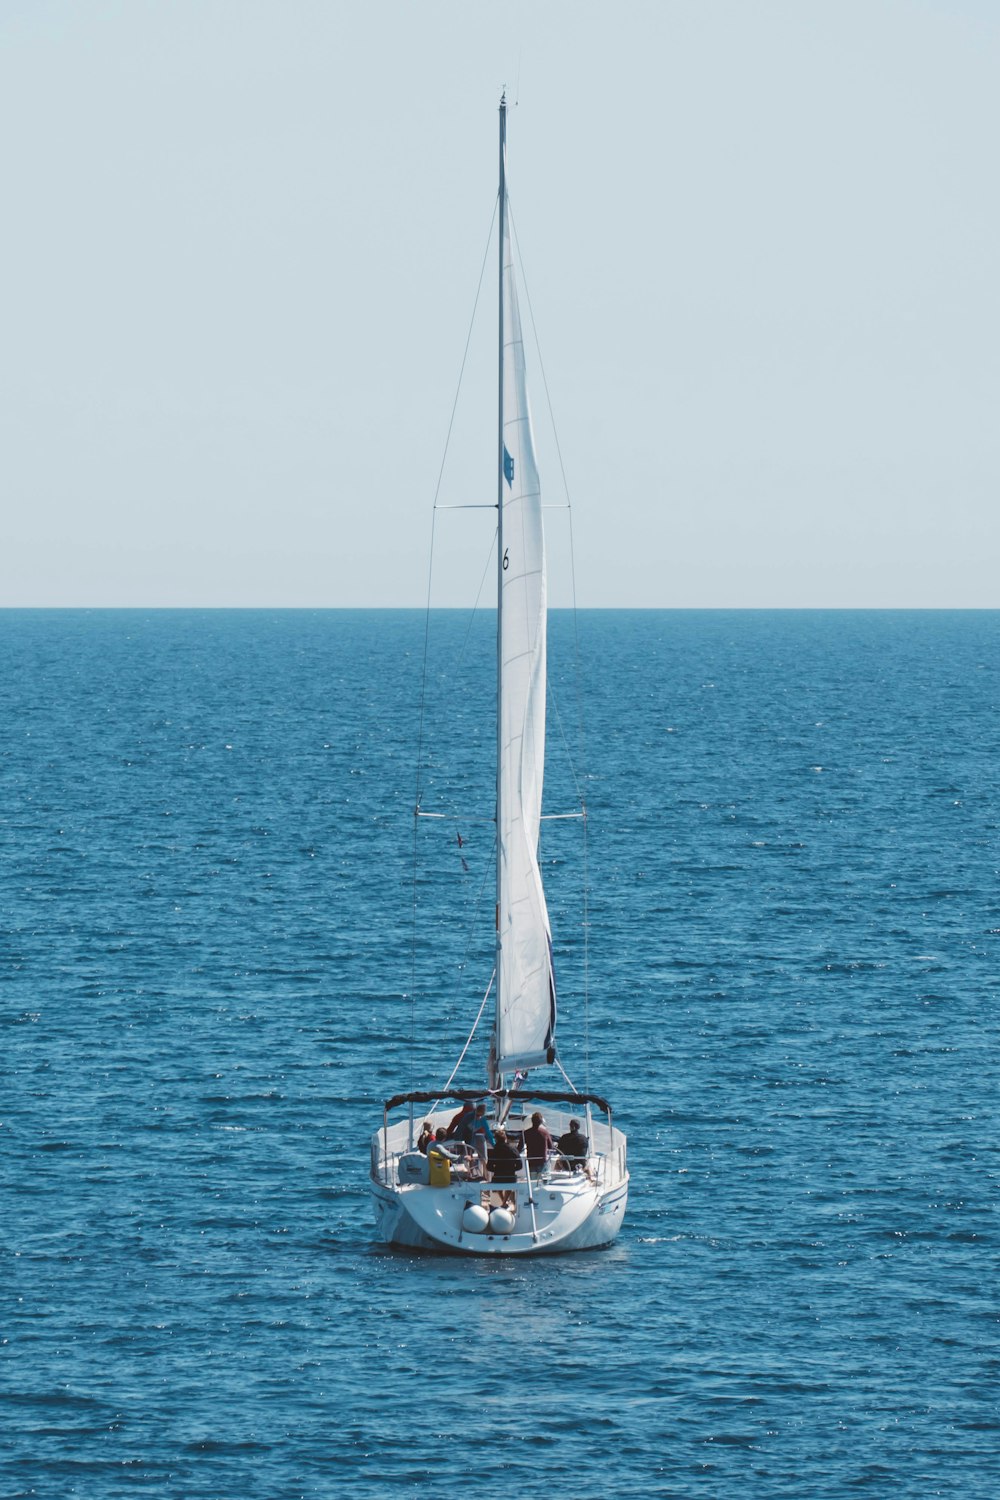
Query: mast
x=502 y=217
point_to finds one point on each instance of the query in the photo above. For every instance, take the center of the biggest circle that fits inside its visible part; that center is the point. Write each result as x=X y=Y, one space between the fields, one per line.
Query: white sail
x=526 y=1009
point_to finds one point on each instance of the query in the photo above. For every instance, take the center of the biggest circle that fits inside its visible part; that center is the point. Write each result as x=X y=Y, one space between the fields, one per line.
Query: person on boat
x=460 y=1126
x=443 y=1159
x=504 y=1160
x=538 y=1144
x=425 y=1137
x=572 y=1146
x=480 y=1134
x=440 y=1146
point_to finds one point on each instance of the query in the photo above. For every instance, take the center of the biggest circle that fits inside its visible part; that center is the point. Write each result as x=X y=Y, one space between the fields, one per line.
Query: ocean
x=223 y=948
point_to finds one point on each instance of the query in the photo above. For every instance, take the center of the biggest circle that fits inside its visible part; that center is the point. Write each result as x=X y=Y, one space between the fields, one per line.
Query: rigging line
x=487 y=570
x=565 y=483
x=456 y=818
x=427 y=623
x=538 y=351
x=472 y=1033
x=465 y=354
x=475 y=903
x=471 y=908
x=585 y=904
x=553 y=700
x=486 y=868
x=567 y=1077
x=558 y=447
x=586 y=950
x=581 y=731
x=576 y=643
x=416 y=807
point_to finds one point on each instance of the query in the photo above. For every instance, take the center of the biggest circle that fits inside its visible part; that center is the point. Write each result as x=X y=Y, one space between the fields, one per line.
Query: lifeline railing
x=503 y=1100
x=385 y=1169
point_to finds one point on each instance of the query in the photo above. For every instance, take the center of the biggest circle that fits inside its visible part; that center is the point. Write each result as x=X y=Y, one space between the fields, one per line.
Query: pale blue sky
x=241 y=243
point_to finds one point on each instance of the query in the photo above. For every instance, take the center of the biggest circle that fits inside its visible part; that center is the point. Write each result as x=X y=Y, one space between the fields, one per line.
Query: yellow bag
x=440 y=1168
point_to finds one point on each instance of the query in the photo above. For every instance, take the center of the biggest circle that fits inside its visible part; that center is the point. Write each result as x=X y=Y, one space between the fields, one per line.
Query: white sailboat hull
x=425 y=1218
x=557 y=1211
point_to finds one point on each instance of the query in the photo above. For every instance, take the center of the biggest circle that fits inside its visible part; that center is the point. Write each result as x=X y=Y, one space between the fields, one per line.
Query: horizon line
x=491 y=608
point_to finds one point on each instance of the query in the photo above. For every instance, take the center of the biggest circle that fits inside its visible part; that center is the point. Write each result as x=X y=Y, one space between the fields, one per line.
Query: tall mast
x=502 y=216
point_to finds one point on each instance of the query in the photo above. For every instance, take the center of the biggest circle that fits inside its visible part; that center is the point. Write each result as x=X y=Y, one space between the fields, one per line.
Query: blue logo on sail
x=508 y=468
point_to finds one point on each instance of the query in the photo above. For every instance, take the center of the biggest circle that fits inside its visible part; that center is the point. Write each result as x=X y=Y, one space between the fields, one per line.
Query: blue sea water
x=210 y=983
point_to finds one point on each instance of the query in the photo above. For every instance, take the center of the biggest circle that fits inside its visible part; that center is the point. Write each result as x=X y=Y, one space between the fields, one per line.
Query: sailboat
x=547 y=1187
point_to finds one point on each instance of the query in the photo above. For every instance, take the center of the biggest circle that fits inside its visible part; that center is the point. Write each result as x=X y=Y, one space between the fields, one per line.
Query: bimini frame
x=504 y=1098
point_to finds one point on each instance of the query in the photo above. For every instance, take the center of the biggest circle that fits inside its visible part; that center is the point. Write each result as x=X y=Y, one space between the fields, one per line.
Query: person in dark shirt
x=572 y=1146
x=538 y=1144
x=425 y=1137
x=504 y=1162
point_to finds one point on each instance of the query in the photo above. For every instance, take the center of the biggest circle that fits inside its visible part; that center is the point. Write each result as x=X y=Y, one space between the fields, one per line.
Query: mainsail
x=526 y=1000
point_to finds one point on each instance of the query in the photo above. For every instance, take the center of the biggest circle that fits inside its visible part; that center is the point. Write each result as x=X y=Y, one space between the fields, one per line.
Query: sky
x=240 y=251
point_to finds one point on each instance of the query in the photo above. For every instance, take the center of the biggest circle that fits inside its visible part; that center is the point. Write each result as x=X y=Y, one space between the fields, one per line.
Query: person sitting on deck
x=573 y=1148
x=425 y=1137
x=440 y=1146
x=442 y=1158
x=538 y=1144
